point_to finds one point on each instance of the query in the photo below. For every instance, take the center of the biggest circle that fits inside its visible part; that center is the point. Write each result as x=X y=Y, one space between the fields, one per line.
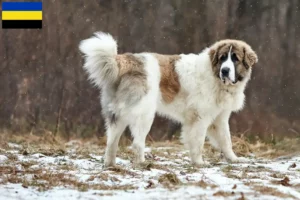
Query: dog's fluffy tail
x=100 y=62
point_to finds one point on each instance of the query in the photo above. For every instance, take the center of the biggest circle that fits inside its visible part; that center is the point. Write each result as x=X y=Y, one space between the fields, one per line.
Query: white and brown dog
x=198 y=90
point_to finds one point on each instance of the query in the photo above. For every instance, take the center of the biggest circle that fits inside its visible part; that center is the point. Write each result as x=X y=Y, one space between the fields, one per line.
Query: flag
x=22 y=15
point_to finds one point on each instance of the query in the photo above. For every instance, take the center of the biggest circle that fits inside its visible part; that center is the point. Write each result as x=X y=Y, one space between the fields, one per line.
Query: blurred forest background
x=44 y=88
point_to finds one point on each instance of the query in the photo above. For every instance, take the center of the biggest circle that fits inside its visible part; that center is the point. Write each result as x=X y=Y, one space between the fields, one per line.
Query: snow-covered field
x=76 y=172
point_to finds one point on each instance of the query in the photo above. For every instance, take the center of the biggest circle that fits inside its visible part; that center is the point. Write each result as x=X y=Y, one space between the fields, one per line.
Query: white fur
x=229 y=64
x=203 y=105
x=101 y=43
x=100 y=50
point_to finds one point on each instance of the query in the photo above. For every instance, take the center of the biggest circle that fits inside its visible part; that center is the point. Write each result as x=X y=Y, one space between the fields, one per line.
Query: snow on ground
x=77 y=172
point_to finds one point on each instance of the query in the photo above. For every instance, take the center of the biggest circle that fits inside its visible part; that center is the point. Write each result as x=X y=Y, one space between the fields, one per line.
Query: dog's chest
x=174 y=110
x=230 y=101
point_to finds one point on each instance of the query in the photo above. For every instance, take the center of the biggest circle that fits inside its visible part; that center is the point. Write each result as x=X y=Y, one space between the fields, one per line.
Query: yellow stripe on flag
x=22 y=15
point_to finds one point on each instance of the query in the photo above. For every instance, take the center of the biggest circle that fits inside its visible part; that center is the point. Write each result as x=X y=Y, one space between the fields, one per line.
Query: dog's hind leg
x=114 y=132
x=140 y=127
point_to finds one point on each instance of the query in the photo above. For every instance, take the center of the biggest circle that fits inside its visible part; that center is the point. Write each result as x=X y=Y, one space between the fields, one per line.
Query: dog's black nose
x=225 y=71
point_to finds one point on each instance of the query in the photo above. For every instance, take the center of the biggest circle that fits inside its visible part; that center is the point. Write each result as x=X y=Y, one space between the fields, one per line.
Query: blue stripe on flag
x=25 y=6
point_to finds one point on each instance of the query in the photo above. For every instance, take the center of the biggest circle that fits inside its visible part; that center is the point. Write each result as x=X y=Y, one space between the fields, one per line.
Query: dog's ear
x=250 y=57
x=213 y=54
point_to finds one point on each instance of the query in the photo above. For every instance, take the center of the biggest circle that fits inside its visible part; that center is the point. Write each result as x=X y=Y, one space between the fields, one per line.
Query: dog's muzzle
x=225 y=72
x=225 y=76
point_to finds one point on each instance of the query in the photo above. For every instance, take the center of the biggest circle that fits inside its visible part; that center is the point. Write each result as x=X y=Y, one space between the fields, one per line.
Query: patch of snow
x=12 y=151
x=3 y=158
x=121 y=161
x=19 y=167
x=34 y=167
x=99 y=158
x=38 y=155
x=91 y=170
x=14 y=146
x=164 y=148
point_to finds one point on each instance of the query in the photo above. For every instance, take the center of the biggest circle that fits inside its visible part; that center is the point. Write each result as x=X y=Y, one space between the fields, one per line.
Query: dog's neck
x=237 y=88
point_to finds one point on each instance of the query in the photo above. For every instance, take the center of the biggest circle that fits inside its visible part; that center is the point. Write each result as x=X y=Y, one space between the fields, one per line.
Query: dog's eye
x=234 y=58
x=223 y=57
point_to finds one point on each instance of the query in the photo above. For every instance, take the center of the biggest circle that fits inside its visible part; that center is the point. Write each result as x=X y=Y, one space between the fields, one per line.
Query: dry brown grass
x=50 y=145
x=169 y=180
x=223 y=193
x=285 y=181
x=270 y=191
x=284 y=147
x=44 y=179
x=204 y=184
x=120 y=170
x=148 y=165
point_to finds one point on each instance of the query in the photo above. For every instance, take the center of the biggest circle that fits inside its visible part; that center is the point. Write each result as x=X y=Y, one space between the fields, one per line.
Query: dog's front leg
x=219 y=136
x=193 y=135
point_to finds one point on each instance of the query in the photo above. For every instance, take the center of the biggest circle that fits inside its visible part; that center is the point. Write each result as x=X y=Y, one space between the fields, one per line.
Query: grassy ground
x=36 y=167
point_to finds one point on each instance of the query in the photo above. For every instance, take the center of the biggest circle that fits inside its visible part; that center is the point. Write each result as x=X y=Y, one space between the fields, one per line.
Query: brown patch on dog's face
x=241 y=54
x=169 y=81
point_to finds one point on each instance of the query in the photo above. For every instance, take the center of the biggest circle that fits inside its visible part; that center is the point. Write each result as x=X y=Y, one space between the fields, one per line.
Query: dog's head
x=232 y=61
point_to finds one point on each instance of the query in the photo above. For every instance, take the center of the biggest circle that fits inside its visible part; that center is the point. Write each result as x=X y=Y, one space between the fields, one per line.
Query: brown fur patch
x=129 y=63
x=132 y=84
x=132 y=72
x=169 y=82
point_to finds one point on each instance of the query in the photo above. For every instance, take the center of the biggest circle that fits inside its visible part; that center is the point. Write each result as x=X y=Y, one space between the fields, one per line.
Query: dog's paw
x=109 y=164
x=201 y=164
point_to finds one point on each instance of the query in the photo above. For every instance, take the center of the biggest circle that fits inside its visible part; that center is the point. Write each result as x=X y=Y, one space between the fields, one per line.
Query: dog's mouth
x=227 y=81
